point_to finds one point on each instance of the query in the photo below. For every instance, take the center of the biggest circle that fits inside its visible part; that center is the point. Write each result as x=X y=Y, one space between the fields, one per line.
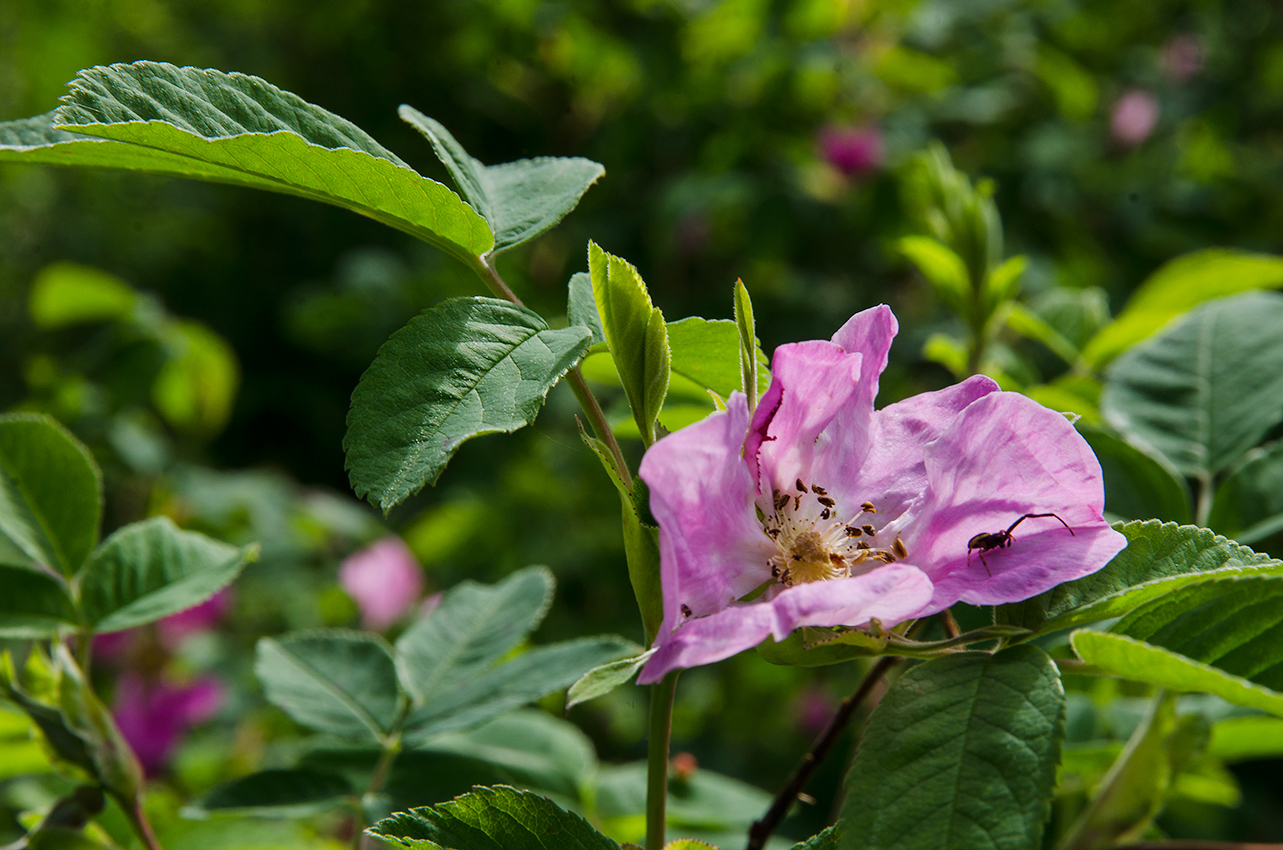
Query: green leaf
x=1003 y=282
x=1134 y=789
x=707 y=353
x=1207 y=389
x=197 y=385
x=472 y=627
x=1137 y=486
x=526 y=678
x=67 y=294
x=50 y=494
x=581 y=309
x=33 y=603
x=493 y=819
x=1245 y=738
x=826 y=840
x=152 y=569
x=1159 y=557
x=521 y=199
x=706 y=801
x=65 y=742
x=960 y=753
x=636 y=334
x=1129 y=658
x=238 y=129
x=813 y=647
x=942 y=268
x=333 y=681
x=1029 y=324
x=749 y=348
x=466 y=367
x=1178 y=286
x=531 y=748
x=1249 y=503
x=295 y=793
x=601 y=680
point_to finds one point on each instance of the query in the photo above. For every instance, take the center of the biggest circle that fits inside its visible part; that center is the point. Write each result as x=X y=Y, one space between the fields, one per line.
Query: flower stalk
x=661 y=729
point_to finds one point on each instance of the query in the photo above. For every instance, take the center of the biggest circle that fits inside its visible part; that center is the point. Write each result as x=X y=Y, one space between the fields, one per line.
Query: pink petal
x=891 y=594
x=712 y=548
x=1004 y=456
x=384 y=579
x=811 y=382
x=869 y=332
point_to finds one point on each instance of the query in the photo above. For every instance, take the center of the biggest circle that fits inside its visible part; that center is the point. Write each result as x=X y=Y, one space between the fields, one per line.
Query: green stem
x=661 y=728
x=137 y=818
x=1203 y=511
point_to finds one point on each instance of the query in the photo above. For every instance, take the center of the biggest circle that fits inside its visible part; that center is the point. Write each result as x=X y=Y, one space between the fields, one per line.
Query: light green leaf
x=707 y=353
x=67 y=294
x=1207 y=389
x=50 y=494
x=749 y=348
x=197 y=385
x=581 y=309
x=465 y=367
x=472 y=627
x=1137 y=486
x=1249 y=503
x=152 y=569
x=521 y=199
x=1245 y=738
x=294 y=793
x=600 y=681
x=492 y=819
x=960 y=753
x=1003 y=282
x=526 y=678
x=1181 y=285
x=707 y=801
x=636 y=334
x=942 y=268
x=334 y=681
x=1159 y=557
x=1029 y=324
x=238 y=129
x=33 y=603
x=531 y=748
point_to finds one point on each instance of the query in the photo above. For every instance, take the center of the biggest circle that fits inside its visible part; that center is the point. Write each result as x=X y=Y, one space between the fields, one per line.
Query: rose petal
x=712 y=548
x=869 y=332
x=384 y=579
x=1005 y=456
x=891 y=594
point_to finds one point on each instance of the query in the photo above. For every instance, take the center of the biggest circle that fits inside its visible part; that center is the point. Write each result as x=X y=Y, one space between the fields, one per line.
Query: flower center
x=814 y=542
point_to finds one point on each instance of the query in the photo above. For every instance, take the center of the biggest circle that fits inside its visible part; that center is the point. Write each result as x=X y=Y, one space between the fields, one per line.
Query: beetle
x=987 y=540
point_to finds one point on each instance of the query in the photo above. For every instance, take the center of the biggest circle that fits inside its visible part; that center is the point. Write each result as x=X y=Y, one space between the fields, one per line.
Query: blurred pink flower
x=384 y=579
x=813 y=708
x=113 y=646
x=852 y=150
x=154 y=716
x=1134 y=117
x=199 y=618
x=1182 y=57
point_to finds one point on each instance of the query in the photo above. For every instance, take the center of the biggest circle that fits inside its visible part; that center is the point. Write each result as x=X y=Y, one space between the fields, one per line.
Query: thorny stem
x=661 y=729
x=489 y=275
x=762 y=829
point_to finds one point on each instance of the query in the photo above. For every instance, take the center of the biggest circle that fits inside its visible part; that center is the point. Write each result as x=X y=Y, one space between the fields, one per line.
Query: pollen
x=815 y=537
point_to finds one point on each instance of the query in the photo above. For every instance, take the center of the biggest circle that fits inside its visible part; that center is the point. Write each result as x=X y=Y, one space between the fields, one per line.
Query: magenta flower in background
x=1182 y=57
x=844 y=513
x=851 y=150
x=384 y=579
x=1134 y=117
x=199 y=618
x=155 y=716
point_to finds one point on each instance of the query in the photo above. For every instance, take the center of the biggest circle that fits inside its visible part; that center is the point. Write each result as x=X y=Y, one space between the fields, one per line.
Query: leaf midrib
x=341 y=695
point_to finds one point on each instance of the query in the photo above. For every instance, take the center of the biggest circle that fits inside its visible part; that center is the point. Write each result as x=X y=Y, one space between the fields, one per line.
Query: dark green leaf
x=474 y=626
x=33 y=603
x=333 y=681
x=600 y=681
x=1159 y=557
x=960 y=753
x=152 y=569
x=581 y=309
x=276 y=793
x=1207 y=389
x=1249 y=503
x=1137 y=486
x=1181 y=285
x=493 y=819
x=50 y=494
x=528 y=677
x=521 y=199
x=636 y=334
x=466 y=367
x=238 y=129
x=826 y=840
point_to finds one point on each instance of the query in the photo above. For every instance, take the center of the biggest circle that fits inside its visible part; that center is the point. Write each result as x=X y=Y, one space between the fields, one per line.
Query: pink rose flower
x=839 y=513
x=155 y=716
x=1134 y=117
x=384 y=579
x=852 y=150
